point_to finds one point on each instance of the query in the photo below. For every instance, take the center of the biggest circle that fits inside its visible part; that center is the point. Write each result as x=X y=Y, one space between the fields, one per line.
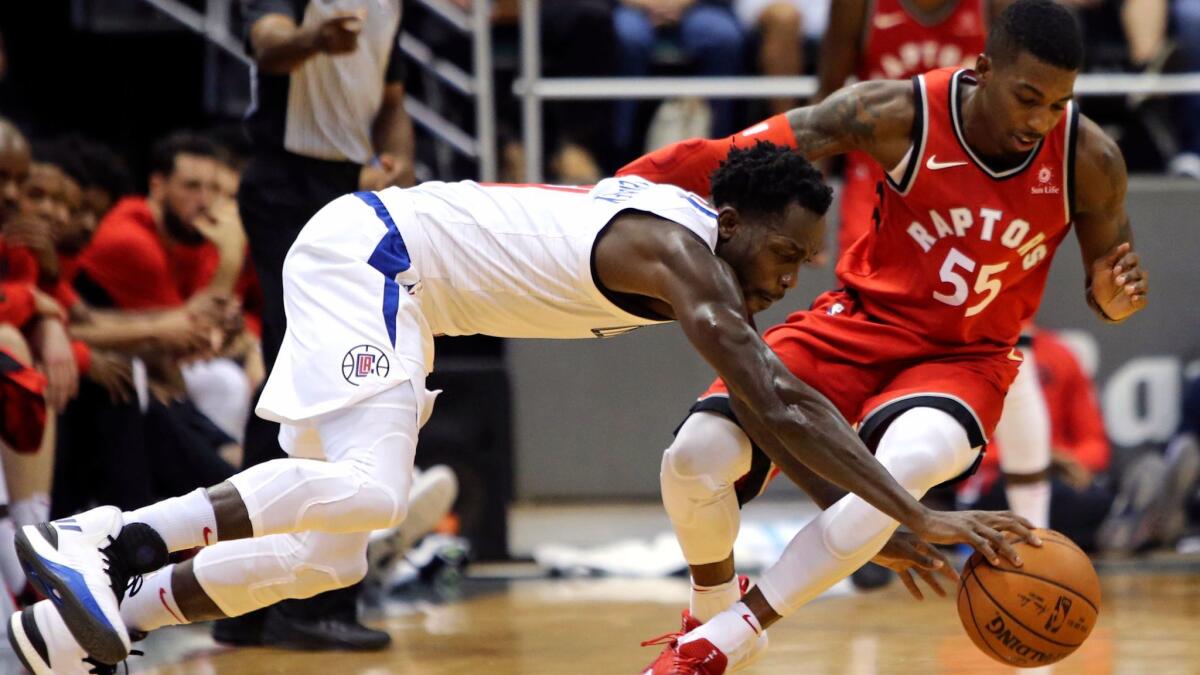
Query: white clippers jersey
x=516 y=260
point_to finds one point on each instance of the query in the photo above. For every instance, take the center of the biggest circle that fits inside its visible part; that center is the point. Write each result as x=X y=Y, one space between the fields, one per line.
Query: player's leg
x=921 y=448
x=710 y=452
x=927 y=424
x=363 y=487
x=1024 y=436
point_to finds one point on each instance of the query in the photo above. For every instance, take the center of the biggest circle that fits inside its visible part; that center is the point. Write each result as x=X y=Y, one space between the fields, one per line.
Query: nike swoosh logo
x=1014 y=355
x=207 y=531
x=890 y=20
x=934 y=165
x=162 y=597
x=746 y=618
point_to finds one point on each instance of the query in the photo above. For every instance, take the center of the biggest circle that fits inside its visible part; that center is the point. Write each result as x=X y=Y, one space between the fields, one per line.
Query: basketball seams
x=975 y=617
x=1012 y=616
x=1079 y=595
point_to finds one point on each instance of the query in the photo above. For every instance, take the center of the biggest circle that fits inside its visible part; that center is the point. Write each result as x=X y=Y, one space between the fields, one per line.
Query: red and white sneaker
x=690 y=623
x=698 y=657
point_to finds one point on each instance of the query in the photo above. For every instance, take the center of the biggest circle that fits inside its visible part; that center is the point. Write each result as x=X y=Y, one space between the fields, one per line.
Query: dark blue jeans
x=709 y=35
x=1186 y=16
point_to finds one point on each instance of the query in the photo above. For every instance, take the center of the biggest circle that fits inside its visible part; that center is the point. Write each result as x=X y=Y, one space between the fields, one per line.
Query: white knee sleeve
x=248 y=574
x=365 y=486
x=921 y=448
x=1024 y=428
x=698 y=473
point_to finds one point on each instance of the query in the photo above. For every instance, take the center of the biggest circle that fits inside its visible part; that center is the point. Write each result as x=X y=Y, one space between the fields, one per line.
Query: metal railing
x=213 y=25
x=534 y=89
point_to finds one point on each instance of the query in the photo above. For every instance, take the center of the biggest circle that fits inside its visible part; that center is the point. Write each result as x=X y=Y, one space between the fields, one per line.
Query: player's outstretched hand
x=1119 y=283
x=981 y=530
x=906 y=554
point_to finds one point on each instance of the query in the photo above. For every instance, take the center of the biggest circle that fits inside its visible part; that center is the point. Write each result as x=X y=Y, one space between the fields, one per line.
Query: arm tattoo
x=841 y=122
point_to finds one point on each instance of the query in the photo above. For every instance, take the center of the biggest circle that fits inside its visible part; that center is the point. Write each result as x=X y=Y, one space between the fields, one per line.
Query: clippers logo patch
x=364 y=361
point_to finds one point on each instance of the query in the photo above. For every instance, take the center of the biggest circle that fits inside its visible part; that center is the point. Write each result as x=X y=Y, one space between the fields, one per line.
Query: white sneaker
x=63 y=559
x=45 y=646
x=433 y=493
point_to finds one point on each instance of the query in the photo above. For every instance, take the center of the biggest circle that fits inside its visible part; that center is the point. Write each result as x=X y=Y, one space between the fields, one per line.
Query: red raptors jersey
x=961 y=251
x=898 y=46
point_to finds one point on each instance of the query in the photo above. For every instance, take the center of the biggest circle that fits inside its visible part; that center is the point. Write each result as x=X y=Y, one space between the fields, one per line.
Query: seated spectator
x=157 y=251
x=1079 y=501
x=783 y=26
x=176 y=251
x=709 y=34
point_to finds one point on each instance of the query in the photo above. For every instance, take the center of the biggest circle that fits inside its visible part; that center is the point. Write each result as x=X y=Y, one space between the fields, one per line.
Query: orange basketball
x=1032 y=615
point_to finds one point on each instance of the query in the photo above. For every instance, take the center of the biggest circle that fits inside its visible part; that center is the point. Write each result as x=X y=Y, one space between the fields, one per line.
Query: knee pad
x=709 y=452
x=698 y=473
x=293 y=495
x=248 y=574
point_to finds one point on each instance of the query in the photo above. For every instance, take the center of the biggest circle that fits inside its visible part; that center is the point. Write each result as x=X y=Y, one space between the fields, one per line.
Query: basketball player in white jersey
x=369 y=282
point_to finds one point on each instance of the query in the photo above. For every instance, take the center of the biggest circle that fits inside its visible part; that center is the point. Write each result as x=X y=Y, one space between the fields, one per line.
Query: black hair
x=1044 y=28
x=164 y=152
x=89 y=162
x=766 y=178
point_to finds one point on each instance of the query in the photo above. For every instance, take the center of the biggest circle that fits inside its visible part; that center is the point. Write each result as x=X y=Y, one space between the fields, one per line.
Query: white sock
x=30 y=511
x=10 y=567
x=153 y=605
x=1030 y=500
x=709 y=601
x=183 y=522
x=732 y=631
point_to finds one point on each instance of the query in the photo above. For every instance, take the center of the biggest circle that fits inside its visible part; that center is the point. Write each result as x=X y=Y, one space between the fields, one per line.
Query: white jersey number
x=984 y=283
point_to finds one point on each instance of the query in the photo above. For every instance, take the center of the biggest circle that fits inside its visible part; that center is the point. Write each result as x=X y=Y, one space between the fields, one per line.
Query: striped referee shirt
x=325 y=108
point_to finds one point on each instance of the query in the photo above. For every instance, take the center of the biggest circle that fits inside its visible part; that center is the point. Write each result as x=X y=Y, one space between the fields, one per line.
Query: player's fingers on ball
x=911 y=585
x=1023 y=527
x=985 y=549
x=1005 y=548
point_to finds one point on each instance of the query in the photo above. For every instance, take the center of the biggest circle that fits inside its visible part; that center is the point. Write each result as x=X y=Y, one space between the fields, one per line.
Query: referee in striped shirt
x=327 y=119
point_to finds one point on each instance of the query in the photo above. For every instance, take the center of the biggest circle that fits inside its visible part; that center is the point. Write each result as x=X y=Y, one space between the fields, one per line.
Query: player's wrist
x=1099 y=309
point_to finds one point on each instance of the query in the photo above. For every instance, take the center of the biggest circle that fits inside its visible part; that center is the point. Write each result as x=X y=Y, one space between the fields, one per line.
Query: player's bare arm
x=874 y=117
x=1116 y=282
x=905 y=553
x=646 y=257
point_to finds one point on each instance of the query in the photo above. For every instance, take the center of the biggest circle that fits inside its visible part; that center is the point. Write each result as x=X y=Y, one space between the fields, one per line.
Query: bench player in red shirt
x=986 y=172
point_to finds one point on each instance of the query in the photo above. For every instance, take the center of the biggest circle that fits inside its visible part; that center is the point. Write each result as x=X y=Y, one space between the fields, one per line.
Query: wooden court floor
x=1150 y=624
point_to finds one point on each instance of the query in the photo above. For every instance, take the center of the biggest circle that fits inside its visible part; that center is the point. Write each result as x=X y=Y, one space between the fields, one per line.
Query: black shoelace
x=123 y=584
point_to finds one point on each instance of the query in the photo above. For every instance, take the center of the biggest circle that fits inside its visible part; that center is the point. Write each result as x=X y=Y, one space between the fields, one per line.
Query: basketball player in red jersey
x=986 y=172
x=899 y=39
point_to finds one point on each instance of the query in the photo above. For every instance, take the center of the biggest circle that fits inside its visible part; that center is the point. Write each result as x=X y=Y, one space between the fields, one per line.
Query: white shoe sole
x=68 y=589
x=22 y=644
